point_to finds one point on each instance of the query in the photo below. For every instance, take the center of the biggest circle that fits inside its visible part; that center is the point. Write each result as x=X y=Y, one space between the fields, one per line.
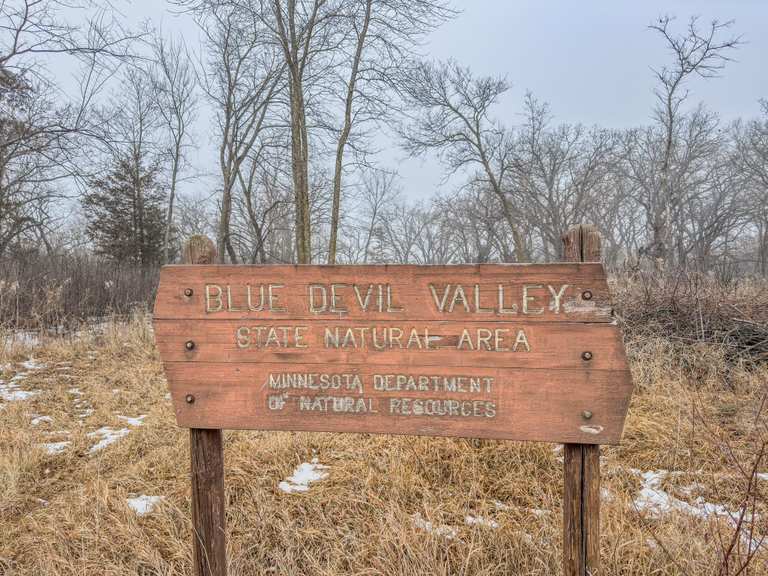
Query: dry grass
x=66 y=514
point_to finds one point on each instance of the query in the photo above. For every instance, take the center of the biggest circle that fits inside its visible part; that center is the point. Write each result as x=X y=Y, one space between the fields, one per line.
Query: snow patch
x=37 y=420
x=442 y=530
x=11 y=393
x=107 y=436
x=143 y=504
x=137 y=421
x=33 y=364
x=304 y=474
x=53 y=448
x=470 y=520
x=655 y=501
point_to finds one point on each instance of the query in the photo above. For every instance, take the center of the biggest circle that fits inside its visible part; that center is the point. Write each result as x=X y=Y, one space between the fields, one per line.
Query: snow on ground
x=53 y=448
x=143 y=504
x=21 y=338
x=37 y=420
x=32 y=364
x=107 y=436
x=304 y=474
x=470 y=520
x=442 y=530
x=653 y=500
x=137 y=421
x=10 y=391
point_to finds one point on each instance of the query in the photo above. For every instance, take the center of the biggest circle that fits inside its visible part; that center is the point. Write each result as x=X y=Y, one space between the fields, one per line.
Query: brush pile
x=695 y=308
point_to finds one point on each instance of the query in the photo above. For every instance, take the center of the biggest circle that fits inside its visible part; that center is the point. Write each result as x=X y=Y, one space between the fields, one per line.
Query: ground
x=94 y=478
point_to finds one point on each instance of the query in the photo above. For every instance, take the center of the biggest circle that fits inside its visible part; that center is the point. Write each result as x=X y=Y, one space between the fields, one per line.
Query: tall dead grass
x=696 y=414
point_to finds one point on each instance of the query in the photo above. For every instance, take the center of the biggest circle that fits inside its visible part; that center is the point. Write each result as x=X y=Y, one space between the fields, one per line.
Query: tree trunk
x=344 y=136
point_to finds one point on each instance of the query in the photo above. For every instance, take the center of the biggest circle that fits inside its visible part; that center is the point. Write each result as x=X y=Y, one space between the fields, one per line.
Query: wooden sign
x=523 y=352
x=526 y=352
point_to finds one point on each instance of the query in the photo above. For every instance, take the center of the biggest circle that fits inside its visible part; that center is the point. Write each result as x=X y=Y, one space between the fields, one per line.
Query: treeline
x=299 y=92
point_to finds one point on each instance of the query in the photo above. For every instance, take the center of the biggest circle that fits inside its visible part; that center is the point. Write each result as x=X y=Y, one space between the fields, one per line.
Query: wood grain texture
x=546 y=338
x=581 y=463
x=206 y=449
x=208 y=504
x=548 y=345
x=528 y=404
x=409 y=287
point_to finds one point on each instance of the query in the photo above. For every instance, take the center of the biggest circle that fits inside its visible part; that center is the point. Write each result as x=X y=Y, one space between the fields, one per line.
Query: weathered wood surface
x=581 y=462
x=540 y=337
x=407 y=283
x=581 y=510
x=206 y=449
x=546 y=345
x=209 y=548
x=521 y=404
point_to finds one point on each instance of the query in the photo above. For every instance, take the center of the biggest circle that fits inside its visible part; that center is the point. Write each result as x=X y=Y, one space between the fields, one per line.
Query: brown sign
x=523 y=352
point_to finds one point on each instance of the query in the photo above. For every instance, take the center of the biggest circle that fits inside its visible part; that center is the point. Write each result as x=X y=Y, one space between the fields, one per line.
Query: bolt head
x=587 y=355
x=189 y=345
x=190 y=398
x=586 y=295
x=188 y=292
x=587 y=415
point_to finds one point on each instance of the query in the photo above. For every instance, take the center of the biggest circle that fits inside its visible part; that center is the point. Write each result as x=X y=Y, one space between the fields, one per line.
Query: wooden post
x=581 y=495
x=206 y=467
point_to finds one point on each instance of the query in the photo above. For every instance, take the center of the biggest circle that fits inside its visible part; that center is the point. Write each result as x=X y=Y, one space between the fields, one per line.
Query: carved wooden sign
x=522 y=352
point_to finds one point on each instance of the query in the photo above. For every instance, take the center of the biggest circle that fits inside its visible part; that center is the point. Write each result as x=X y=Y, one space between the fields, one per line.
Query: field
x=94 y=472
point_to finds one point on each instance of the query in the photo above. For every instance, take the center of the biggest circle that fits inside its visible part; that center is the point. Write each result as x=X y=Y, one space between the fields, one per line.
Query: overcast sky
x=590 y=59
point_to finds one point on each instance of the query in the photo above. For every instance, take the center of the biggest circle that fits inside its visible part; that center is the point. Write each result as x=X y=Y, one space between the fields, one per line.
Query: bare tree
x=452 y=116
x=242 y=77
x=32 y=28
x=752 y=158
x=696 y=52
x=377 y=193
x=558 y=174
x=382 y=36
x=47 y=136
x=174 y=84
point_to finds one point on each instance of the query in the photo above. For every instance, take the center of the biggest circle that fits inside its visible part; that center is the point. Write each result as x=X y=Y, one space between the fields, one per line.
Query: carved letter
x=390 y=306
x=503 y=310
x=273 y=298
x=243 y=337
x=313 y=307
x=335 y=306
x=363 y=303
x=465 y=340
x=440 y=303
x=479 y=309
x=209 y=298
x=527 y=299
x=521 y=339
x=230 y=307
x=456 y=298
x=298 y=336
x=556 y=296
x=260 y=307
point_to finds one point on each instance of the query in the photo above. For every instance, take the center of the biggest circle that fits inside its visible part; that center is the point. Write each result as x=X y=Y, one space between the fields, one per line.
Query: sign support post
x=206 y=448
x=581 y=462
x=506 y=351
